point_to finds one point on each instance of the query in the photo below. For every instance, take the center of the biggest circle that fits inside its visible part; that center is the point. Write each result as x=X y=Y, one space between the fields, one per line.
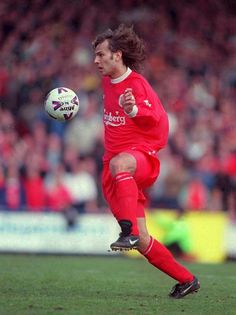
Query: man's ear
x=118 y=55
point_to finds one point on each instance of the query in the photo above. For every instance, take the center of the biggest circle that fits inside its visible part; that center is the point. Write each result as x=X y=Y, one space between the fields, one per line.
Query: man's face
x=108 y=62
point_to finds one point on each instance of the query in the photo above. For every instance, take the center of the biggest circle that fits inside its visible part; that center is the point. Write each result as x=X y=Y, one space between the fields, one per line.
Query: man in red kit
x=136 y=128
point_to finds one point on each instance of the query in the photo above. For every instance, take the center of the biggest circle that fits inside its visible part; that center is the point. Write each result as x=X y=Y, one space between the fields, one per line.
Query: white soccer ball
x=61 y=104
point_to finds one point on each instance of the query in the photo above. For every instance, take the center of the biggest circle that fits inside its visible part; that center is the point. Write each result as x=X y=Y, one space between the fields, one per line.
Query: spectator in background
x=14 y=190
x=226 y=184
x=59 y=198
x=173 y=177
x=4 y=82
x=35 y=190
x=31 y=110
x=2 y=188
x=195 y=195
x=84 y=134
x=8 y=136
x=54 y=152
x=80 y=181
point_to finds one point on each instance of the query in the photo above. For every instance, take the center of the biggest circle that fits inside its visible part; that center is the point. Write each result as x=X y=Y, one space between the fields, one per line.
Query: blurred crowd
x=47 y=165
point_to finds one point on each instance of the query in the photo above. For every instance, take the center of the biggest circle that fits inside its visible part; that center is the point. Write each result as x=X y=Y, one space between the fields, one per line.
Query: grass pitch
x=40 y=285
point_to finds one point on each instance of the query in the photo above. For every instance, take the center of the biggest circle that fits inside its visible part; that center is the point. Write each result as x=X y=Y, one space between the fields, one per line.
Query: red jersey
x=147 y=131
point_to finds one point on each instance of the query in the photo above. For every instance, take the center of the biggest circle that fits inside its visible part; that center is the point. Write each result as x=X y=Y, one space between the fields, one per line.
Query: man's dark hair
x=128 y=42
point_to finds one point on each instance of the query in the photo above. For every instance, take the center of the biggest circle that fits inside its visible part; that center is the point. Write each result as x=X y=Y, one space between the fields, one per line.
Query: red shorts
x=147 y=171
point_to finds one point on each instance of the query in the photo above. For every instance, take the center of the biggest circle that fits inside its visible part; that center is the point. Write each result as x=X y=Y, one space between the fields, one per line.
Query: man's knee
x=123 y=162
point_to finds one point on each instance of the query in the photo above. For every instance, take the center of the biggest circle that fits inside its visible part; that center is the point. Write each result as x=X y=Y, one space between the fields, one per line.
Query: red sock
x=127 y=195
x=160 y=257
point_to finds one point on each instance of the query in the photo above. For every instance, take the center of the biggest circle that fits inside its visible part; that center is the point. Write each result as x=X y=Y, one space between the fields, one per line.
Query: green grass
x=40 y=285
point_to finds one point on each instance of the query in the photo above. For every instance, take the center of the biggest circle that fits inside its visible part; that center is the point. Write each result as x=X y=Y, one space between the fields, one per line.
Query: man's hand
x=128 y=101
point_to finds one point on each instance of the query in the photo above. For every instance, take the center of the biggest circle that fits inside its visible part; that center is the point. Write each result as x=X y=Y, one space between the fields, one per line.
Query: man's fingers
x=128 y=90
x=129 y=95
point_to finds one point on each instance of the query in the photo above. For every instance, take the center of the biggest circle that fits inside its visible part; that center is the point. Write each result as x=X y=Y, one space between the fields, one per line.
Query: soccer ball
x=61 y=104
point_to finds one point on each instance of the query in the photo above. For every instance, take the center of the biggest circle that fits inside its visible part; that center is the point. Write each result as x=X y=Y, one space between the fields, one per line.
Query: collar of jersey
x=122 y=77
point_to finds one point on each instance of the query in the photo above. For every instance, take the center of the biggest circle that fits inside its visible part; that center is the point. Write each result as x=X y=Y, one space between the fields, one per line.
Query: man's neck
x=122 y=77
